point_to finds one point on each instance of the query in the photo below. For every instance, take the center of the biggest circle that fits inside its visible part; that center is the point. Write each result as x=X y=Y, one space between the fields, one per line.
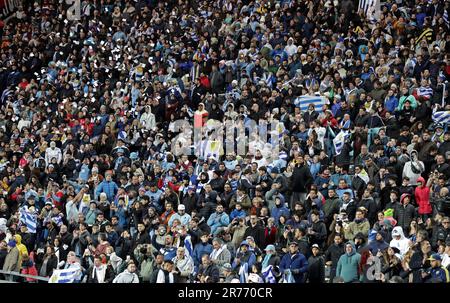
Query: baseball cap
x=316 y=246
x=435 y=257
x=48 y=202
x=270 y=247
x=293 y=243
x=181 y=207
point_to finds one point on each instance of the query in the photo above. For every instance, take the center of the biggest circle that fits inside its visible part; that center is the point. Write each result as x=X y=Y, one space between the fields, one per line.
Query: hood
x=398 y=230
x=353 y=249
x=413 y=152
x=281 y=200
x=18 y=239
x=403 y=196
x=421 y=179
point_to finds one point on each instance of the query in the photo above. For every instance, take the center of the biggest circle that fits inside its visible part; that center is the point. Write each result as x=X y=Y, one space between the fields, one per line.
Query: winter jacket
x=333 y=253
x=297 y=264
x=347 y=266
x=211 y=271
x=199 y=250
x=126 y=277
x=185 y=267
x=278 y=211
x=413 y=175
x=257 y=232
x=217 y=220
x=221 y=256
x=320 y=233
x=93 y=278
x=355 y=228
x=13 y=260
x=301 y=179
x=110 y=188
x=404 y=214
x=316 y=269
x=422 y=196
x=403 y=244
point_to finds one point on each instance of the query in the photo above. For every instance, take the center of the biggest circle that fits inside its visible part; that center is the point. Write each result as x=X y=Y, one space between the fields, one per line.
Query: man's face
x=205 y=260
x=348 y=248
x=359 y=215
x=97 y=262
x=337 y=240
x=293 y=248
x=219 y=209
x=131 y=268
x=141 y=227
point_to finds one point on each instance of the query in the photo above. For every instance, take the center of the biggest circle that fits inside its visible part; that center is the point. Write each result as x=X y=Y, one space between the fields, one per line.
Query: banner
x=8 y=8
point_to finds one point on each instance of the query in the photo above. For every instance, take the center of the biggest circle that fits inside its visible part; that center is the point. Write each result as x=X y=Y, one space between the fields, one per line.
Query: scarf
x=101 y=271
x=265 y=262
x=216 y=252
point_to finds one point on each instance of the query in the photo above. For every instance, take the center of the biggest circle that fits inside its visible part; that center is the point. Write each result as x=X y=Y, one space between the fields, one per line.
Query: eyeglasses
x=446 y=222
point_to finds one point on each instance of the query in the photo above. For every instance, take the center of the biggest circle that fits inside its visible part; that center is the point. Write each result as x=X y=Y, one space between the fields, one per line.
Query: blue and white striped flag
x=339 y=141
x=442 y=117
x=29 y=219
x=445 y=17
x=304 y=101
x=57 y=220
x=243 y=273
x=188 y=245
x=269 y=277
x=68 y=275
x=371 y=9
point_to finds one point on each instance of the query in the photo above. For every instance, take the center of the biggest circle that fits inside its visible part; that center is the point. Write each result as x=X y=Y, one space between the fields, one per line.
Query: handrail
x=15 y=273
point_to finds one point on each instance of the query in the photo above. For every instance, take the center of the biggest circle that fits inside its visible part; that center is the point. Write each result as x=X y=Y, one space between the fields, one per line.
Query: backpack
x=415 y=169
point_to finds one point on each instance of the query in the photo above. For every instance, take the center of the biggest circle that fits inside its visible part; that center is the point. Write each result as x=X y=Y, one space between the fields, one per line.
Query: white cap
x=181 y=207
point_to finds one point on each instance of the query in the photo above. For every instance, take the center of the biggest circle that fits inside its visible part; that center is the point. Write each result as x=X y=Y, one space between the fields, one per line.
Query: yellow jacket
x=22 y=248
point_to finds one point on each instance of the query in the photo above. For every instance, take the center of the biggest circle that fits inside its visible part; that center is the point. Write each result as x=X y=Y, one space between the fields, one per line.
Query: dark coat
x=316 y=269
x=109 y=275
x=301 y=179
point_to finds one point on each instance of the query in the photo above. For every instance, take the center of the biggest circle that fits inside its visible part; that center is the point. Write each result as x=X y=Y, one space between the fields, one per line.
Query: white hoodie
x=403 y=244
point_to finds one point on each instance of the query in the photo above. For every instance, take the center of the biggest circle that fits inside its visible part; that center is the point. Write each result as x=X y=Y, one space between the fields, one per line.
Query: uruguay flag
x=68 y=275
x=442 y=117
x=339 y=141
x=304 y=101
x=243 y=273
x=29 y=219
x=269 y=277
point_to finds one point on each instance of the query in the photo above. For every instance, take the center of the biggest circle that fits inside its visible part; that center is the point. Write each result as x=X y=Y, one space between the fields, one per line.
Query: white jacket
x=126 y=277
x=407 y=171
x=53 y=153
x=148 y=120
x=403 y=244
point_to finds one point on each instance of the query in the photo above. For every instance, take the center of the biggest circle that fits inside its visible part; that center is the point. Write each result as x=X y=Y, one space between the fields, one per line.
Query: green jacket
x=347 y=266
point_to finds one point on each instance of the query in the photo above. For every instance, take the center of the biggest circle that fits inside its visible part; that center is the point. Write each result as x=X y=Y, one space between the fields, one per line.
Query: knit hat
x=12 y=243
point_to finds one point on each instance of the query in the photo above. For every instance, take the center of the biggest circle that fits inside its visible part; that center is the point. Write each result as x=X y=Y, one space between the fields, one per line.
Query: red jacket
x=422 y=195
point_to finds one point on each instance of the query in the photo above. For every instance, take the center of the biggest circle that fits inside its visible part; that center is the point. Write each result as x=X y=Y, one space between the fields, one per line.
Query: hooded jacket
x=422 y=195
x=403 y=243
x=404 y=213
x=378 y=245
x=347 y=266
x=280 y=210
x=413 y=169
x=22 y=248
